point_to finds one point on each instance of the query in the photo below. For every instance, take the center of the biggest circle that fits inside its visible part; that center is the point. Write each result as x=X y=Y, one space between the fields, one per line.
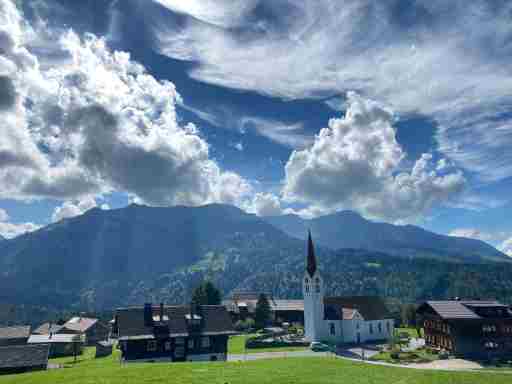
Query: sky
x=398 y=110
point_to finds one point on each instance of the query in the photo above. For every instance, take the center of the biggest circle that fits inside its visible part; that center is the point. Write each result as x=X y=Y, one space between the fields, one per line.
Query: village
x=254 y=325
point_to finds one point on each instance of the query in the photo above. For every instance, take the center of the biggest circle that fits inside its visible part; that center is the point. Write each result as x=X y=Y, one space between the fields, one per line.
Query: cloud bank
x=354 y=164
x=447 y=60
x=82 y=120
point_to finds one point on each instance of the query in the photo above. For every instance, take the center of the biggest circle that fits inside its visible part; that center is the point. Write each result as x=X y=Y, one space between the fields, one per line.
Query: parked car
x=319 y=347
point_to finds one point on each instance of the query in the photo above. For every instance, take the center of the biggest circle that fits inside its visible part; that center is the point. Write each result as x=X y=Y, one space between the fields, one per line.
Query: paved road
x=276 y=355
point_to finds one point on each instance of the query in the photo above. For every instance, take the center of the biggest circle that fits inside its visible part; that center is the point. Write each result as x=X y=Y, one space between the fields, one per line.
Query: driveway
x=276 y=355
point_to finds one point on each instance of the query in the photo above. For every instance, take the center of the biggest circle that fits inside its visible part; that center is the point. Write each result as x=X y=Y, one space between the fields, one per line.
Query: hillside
x=104 y=259
x=348 y=229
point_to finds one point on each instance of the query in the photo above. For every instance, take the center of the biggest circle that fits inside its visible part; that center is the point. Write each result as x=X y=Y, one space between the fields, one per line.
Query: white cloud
x=354 y=164
x=90 y=121
x=10 y=230
x=422 y=57
x=506 y=247
x=289 y=135
x=75 y=208
x=265 y=204
x=472 y=233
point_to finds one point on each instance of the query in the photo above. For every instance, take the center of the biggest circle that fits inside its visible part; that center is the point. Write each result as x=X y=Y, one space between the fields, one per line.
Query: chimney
x=148 y=315
x=161 y=311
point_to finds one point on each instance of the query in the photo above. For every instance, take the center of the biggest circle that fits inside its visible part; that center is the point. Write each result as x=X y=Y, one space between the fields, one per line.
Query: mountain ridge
x=347 y=229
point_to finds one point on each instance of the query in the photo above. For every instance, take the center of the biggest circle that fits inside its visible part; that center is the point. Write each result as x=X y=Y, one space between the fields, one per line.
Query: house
x=47 y=328
x=472 y=329
x=242 y=305
x=23 y=358
x=92 y=329
x=174 y=333
x=356 y=319
x=14 y=335
x=61 y=345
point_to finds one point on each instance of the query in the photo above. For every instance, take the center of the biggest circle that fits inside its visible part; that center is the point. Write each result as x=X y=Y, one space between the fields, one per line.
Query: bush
x=395 y=355
x=244 y=325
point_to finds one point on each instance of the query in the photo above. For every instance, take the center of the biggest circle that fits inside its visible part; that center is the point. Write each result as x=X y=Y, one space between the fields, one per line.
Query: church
x=340 y=320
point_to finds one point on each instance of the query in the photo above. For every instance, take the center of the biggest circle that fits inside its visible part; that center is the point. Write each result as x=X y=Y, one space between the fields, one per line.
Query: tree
x=262 y=312
x=206 y=294
x=408 y=314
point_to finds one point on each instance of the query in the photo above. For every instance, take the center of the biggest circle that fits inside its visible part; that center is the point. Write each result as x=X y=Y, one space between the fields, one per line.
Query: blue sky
x=398 y=110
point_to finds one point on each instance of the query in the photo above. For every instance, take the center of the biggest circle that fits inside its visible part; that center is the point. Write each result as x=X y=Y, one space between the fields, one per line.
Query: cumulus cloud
x=95 y=121
x=10 y=230
x=506 y=247
x=354 y=164
x=422 y=57
x=75 y=208
x=265 y=204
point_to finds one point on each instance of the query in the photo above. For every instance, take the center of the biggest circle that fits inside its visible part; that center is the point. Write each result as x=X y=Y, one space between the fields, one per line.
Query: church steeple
x=311 y=259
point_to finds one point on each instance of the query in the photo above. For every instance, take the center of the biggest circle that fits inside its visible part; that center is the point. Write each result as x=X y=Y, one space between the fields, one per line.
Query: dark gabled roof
x=458 y=309
x=311 y=259
x=21 y=356
x=215 y=320
x=18 y=332
x=47 y=328
x=370 y=307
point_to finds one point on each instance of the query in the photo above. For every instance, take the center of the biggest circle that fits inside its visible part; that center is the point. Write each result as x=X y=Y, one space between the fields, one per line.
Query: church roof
x=311 y=259
x=370 y=307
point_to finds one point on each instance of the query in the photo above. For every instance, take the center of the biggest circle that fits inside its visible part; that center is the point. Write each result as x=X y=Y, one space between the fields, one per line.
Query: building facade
x=356 y=319
x=472 y=329
x=174 y=333
x=17 y=335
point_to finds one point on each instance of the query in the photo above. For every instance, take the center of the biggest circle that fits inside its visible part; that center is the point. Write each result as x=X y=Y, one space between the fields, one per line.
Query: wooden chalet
x=61 y=345
x=14 y=335
x=23 y=358
x=242 y=305
x=471 y=329
x=174 y=333
x=93 y=330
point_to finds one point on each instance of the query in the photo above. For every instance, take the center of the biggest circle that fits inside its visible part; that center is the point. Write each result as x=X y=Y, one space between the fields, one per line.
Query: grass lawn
x=276 y=371
x=410 y=331
x=237 y=343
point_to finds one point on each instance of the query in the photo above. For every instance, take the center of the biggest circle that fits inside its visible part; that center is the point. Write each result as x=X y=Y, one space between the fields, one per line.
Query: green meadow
x=277 y=371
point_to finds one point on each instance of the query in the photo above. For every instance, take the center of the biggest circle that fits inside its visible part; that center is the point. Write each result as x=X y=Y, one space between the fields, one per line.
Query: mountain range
x=106 y=258
x=348 y=229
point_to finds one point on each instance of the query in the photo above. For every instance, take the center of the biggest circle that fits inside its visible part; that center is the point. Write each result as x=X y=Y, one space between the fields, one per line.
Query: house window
x=371 y=329
x=167 y=346
x=179 y=341
x=205 y=342
x=489 y=328
x=333 y=329
x=190 y=343
x=491 y=345
x=388 y=326
x=380 y=327
x=151 y=346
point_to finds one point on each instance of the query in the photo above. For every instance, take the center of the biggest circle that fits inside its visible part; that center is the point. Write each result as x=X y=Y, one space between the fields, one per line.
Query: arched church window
x=306 y=281
x=333 y=329
x=317 y=285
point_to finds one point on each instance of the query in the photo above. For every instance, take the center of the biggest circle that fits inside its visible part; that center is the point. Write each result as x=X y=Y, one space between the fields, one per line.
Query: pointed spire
x=311 y=259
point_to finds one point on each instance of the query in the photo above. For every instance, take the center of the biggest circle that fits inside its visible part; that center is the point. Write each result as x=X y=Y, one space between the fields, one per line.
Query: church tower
x=313 y=290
